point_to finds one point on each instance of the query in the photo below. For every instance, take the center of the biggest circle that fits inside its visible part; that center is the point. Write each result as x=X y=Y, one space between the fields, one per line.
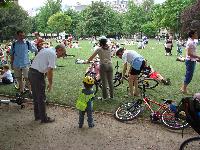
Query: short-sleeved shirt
x=20 y=53
x=104 y=55
x=192 y=45
x=8 y=75
x=133 y=58
x=44 y=60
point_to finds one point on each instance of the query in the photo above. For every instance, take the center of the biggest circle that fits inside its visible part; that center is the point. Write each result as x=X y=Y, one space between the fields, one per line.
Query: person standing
x=44 y=63
x=190 y=60
x=137 y=63
x=106 y=69
x=20 y=59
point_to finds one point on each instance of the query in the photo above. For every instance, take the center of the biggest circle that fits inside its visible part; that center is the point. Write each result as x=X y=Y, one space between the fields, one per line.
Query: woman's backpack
x=191 y=107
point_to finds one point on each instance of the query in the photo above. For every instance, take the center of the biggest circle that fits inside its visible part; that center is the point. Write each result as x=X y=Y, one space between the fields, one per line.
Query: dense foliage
x=100 y=19
x=13 y=18
x=190 y=17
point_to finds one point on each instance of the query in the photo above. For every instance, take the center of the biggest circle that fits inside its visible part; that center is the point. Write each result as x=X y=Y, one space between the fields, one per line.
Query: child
x=84 y=102
x=151 y=73
x=7 y=76
x=179 y=47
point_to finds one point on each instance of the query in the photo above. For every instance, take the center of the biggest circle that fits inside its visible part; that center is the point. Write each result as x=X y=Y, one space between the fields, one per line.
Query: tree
x=59 y=22
x=134 y=18
x=51 y=7
x=190 y=18
x=75 y=16
x=99 y=19
x=13 y=18
x=167 y=15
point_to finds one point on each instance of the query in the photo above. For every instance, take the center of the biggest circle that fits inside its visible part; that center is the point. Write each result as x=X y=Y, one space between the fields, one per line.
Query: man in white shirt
x=136 y=62
x=43 y=63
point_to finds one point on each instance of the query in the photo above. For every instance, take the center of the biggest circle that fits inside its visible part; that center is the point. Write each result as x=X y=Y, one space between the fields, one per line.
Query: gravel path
x=18 y=131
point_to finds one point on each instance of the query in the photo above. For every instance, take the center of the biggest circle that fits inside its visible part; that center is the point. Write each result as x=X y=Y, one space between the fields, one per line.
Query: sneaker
x=48 y=120
x=80 y=126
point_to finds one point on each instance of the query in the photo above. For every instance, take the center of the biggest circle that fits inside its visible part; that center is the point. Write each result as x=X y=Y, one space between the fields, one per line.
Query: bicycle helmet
x=88 y=80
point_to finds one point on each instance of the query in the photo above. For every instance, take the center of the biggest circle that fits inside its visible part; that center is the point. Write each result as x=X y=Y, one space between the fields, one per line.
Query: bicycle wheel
x=128 y=111
x=191 y=144
x=148 y=82
x=170 y=120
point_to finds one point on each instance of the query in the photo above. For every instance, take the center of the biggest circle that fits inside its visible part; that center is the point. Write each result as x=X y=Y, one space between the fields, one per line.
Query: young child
x=7 y=77
x=151 y=73
x=84 y=102
x=179 y=47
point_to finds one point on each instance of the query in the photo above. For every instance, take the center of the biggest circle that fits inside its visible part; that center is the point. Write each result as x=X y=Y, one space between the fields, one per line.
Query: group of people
x=35 y=73
x=137 y=63
x=44 y=63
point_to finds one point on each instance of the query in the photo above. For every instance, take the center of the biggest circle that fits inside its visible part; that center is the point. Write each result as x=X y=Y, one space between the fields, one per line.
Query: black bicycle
x=19 y=99
x=191 y=144
x=149 y=83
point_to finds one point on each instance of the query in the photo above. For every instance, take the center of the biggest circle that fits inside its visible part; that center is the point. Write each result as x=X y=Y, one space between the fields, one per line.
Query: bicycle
x=130 y=110
x=191 y=144
x=19 y=100
x=93 y=71
x=150 y=83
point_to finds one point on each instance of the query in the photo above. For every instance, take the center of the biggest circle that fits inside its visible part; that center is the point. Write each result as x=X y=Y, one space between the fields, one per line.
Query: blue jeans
x=89 y=111
x=190 y=67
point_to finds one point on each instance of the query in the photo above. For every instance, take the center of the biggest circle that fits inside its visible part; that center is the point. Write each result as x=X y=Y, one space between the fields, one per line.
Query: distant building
x=78 y=7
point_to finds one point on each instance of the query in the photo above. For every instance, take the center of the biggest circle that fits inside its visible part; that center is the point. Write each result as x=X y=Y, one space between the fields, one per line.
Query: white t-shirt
x=129 y=56
x=8 y=75
x=45 y=59
x=192 y=45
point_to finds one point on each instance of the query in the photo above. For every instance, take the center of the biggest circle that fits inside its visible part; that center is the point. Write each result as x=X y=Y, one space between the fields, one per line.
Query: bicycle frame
x=147 y=102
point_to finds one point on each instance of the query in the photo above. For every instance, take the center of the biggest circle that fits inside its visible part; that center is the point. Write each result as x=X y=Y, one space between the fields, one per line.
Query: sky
x=33 y=4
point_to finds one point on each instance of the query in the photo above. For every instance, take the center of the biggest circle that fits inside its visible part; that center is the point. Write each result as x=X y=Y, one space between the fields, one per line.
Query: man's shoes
x=48 y=120
x=91 y=126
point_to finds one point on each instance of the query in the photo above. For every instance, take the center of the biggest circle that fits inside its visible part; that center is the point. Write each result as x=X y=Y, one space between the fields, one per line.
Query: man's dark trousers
x=37 y=81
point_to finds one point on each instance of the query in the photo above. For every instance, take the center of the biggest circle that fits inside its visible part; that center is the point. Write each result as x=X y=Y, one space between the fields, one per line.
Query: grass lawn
x=68 y=79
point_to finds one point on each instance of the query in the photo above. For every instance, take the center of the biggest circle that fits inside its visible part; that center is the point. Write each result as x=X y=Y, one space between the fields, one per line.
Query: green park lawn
x=68 y=79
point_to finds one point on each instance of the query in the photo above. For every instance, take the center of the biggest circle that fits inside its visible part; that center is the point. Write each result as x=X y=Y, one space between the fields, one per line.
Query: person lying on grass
x=151 y=73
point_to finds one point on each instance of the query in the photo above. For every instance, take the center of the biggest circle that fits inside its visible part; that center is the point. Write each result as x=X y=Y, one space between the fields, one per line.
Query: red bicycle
x=164 y=113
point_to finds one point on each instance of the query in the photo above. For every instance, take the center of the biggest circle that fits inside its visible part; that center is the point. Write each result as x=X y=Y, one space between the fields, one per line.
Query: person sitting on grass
x=84 y=102
x=7 y=77
x=151 y=73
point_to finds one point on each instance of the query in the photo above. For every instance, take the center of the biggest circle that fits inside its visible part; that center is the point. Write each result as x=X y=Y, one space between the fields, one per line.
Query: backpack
x=191 y=107
x=81 y=103
x=27 y=43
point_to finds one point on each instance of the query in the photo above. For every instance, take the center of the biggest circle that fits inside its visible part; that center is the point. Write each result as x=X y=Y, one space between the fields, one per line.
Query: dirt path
x=18 y=131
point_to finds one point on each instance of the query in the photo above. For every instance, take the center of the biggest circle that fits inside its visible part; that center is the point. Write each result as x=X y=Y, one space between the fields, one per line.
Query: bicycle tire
x=128 y=111
x=116 y=82
x=148 y=82
x=190 y=145
x=169 y=120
